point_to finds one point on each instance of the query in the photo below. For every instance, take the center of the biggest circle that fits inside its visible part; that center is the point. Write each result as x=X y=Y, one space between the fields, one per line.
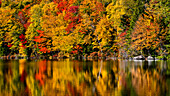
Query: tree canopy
x=52 y=26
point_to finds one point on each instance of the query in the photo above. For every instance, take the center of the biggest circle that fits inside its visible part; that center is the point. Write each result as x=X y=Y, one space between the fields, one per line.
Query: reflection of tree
x=107 y=81
x=64 y=77
x=142 y=78
x=11 y=84
x=61 y=77
x=78 y=78
x=148 y=81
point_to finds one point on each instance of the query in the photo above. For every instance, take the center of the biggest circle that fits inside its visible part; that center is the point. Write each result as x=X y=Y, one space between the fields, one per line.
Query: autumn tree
x=145 y=36
x=40 y=39
x=10 y=29
x=31 y=32
x=58 y=23
x=50 y=26
x=91 y=12
x=106 y=34
x=115 y=11
x=132 y=10
x=160 y=11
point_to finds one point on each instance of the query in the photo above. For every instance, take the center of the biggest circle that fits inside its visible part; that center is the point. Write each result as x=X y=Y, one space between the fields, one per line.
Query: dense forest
x=122 y=28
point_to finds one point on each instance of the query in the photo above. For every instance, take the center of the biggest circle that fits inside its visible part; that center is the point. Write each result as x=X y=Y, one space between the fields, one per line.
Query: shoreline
x=76 y=58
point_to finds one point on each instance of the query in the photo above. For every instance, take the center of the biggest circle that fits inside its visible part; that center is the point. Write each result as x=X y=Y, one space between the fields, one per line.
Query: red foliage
x=67 y=32
x=58 y=13
x=37 y=37
x=26 y=8
x=82 y=32
x=74 y=52
x=74 y=20
x=63 y=6
x=57 y=1
x=73 y=9
x=40 y=39
x=22 y=36
x=68 y=16
x=24 y=20
x=77 y=49
x=26 y=25
x=21 y=17
x=23 y=40
x=71 y=25
x=20 y=14
x=10 y=45
x=44 y=50
x=22 y=45
x=39 y=31
x=122 y=34
x=71 y=17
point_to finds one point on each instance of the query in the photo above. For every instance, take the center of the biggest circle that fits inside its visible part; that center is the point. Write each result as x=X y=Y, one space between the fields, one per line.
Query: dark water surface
x=83 y=78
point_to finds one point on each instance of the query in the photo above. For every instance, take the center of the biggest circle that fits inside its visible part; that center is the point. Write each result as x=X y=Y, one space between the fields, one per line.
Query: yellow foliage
x=115 y=12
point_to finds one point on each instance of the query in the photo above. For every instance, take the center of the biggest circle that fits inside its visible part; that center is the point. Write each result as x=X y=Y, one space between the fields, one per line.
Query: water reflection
x=80 y=78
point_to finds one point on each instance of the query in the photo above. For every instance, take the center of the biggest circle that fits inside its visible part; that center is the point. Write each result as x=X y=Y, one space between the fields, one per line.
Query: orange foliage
x=40 y=76
x=40 y=39
x=145 y=36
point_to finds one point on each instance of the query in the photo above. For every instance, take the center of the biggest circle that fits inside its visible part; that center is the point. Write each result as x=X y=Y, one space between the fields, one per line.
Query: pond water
x=84 y=78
